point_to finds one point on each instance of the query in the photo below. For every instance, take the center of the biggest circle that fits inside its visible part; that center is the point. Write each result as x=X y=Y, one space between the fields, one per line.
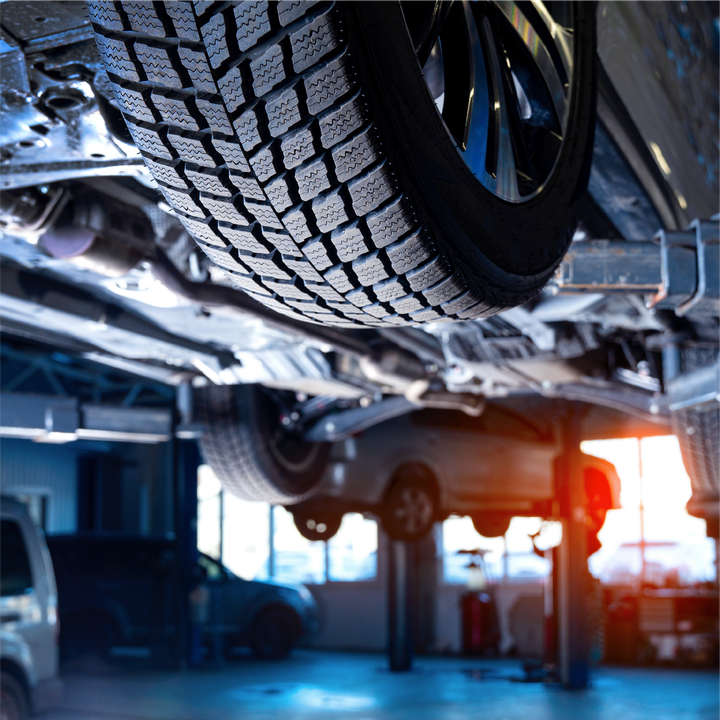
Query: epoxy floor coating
x=313 y=685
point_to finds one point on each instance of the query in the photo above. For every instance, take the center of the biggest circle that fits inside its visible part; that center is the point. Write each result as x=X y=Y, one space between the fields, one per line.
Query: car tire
x=317 y=525
x=274 y=634
x=14 y=701
x=491 y=524
x=300 y=146
x=246 y=445
x=410 y=507
x=698 y=432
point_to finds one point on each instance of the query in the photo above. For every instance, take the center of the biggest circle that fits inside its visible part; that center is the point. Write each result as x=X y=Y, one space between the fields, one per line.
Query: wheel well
x=416 y=472
x=15 y=670
x=287 y=609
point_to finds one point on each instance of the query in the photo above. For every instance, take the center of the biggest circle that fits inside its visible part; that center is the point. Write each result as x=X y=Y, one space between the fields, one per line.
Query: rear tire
x=410 y=507
x=698 y=431
x=250 y=452
x=299 y=145
x=14 y=703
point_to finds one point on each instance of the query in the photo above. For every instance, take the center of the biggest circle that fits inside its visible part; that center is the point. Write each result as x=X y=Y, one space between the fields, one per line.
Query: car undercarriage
x=98 y=263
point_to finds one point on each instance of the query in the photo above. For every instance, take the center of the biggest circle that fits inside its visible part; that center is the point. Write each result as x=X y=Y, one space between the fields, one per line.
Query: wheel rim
x=292 y=453
x=10 y=708
x=413 y=511
x=500 y=74
x=288 y=449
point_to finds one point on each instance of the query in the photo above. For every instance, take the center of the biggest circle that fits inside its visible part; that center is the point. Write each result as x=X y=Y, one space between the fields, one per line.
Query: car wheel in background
x=698 y=431
x=364 y=163
x=254 y=456
x=491 y=524
x=273 y=634
x=317 y=525
x=14 y=703
x=410 y=507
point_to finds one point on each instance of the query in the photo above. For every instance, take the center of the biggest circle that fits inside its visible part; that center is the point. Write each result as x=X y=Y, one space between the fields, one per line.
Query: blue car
x=119 y=596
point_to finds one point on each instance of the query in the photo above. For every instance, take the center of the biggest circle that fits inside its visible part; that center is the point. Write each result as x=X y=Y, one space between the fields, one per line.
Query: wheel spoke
x=499 y=74
x=500 y=159
x=510 y=92
x=435 y=77
x=424 y=21
x=560 y=38
x=535 y=43
x=480 y=132
x=459 y=73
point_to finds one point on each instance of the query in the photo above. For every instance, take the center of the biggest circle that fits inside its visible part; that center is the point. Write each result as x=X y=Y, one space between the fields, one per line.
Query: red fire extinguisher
x=480 y=629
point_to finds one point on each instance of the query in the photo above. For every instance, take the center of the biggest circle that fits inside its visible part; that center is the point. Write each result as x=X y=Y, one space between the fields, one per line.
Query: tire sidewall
x=12 y=691
x=299 y=482
x=510 y=245
x=387 y=513
x=235 y=444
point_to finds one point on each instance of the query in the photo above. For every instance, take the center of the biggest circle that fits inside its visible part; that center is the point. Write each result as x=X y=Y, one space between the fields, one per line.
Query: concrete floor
x=315 y=685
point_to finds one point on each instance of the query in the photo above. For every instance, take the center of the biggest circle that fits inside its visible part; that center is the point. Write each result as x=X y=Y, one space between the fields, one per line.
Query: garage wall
x=353 y=615
x=144 y=476
x=147 y=487
x=32 y=468
x=520 y=607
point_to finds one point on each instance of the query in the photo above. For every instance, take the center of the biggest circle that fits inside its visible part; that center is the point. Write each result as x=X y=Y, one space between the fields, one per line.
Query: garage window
x=350 y=556
x=295 y=558
x=654 y=483
x=352 y=553
x=256 y=541
x=245 y=537
x=509 y=557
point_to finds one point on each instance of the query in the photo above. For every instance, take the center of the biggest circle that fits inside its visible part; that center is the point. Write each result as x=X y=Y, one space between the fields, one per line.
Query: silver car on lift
x=419 y=468
x=29 y=680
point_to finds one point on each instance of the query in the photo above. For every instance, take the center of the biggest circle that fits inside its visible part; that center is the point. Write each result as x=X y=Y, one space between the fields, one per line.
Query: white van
x=29 y=630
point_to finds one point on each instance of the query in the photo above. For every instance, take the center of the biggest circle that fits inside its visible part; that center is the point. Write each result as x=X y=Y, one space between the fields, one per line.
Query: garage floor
x=314 y=684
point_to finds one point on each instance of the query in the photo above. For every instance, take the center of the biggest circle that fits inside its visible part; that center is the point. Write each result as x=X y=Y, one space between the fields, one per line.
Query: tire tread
x=253 y=120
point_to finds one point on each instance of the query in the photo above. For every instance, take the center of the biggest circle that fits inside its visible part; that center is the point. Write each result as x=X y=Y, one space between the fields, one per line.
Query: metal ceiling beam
x=49 y=419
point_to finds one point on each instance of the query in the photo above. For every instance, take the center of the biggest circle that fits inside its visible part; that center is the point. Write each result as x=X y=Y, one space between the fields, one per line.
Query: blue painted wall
x=28 y=468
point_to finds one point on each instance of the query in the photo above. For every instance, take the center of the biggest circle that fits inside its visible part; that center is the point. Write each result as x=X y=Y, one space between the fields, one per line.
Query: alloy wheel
x=500 y=74
x=414 y=510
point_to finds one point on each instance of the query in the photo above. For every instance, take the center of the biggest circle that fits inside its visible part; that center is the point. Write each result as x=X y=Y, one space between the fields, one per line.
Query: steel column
x=187 y=460
x=400 y=597
x=572 y=557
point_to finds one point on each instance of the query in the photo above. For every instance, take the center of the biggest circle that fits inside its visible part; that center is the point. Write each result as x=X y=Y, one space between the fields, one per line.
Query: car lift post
x=187 y=459
x=572 y=572
x=186 y=462
x=400 y=604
